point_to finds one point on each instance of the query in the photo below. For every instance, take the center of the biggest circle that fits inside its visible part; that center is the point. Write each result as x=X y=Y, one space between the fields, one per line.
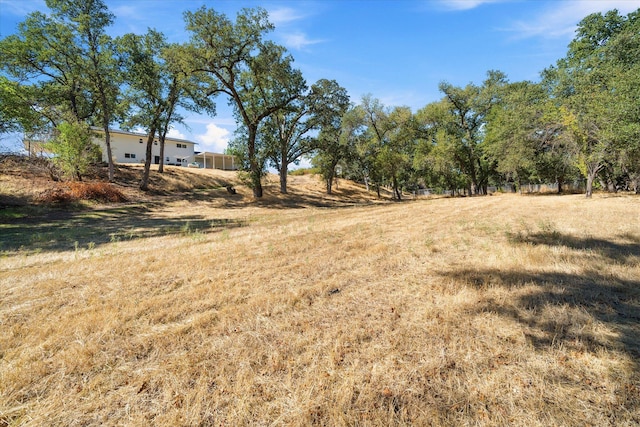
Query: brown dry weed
x=503 y=310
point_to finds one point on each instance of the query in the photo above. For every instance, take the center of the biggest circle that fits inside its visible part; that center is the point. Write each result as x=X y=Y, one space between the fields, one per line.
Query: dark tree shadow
x=62 y=230
x=608 y=299
x=614 y=251
x=590 y=311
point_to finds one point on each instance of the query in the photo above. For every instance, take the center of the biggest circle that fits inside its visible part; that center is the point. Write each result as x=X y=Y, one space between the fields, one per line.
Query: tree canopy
x=62 y=72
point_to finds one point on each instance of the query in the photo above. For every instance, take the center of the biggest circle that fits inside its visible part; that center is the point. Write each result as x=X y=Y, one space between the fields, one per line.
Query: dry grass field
x=204 y=308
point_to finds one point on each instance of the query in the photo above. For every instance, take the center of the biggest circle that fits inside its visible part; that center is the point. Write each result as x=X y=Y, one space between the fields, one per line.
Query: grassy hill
x=28 y=181
x=197 y=307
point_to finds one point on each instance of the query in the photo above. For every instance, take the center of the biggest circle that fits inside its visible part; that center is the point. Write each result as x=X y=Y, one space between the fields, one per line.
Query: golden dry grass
x=503 y=310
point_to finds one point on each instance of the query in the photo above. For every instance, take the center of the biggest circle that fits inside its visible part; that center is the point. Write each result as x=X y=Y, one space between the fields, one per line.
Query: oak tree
x=234 y=59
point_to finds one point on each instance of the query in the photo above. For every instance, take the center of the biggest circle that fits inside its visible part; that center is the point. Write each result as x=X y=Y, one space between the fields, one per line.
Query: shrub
x=75 y=191
x=73 y=149
x=55 y=195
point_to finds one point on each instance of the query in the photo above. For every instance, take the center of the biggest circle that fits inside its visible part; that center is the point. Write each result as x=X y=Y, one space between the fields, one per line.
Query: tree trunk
x=590 y=178
x=144 y=184
x=560 y=182
x=474 y=176
x=255 y=169
x=161 y=165
x=592 y=173
x=107 y=141
x=283 y=177
x=164 y=129
x=331 y=173
x=396 y=191
x=105 y=125
x=256 y=182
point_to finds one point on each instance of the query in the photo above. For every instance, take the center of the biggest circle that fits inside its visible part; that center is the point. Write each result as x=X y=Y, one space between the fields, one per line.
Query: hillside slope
x=24 y=181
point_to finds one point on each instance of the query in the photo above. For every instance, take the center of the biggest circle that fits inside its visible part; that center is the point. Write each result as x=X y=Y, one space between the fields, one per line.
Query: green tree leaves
x=597 y=85
x=232 y=58
x=74 y=149
x=583 y=117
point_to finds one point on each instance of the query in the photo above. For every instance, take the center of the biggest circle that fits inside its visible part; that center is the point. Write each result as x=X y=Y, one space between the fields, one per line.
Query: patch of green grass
x=12 y=213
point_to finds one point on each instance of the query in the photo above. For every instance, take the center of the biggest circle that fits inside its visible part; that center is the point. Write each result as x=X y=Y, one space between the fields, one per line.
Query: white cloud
x=175 y=133
x=283 y=18
x=298 y=40
x=24 y=7
x=466 y=4
x=127 y=12
x=284 y=15
x=561 y=19
x=224 y=120
x=214 y=139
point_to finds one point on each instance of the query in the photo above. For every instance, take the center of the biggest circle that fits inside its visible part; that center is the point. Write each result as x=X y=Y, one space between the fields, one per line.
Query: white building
x=131 y=147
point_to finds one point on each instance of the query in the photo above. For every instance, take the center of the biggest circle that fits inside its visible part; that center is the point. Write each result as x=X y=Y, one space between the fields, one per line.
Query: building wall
x=131 y=148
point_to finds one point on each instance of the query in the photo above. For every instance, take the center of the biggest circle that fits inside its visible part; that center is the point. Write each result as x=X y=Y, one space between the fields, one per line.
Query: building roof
x=210 y=153
x=143 y=135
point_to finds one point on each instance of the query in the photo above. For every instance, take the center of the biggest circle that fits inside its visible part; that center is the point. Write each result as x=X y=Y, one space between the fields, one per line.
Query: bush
x=55 y=195
x=73 y=149
x=99 y=191
x=75 y=191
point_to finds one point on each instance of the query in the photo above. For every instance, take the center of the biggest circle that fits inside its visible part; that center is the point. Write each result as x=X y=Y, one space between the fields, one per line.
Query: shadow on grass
x=620 y=252
x=608 y=299
x=62 y=230
x=558 y=307
x=302 y=201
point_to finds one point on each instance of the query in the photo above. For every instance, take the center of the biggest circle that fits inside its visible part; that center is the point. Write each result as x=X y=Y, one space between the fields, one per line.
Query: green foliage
x=73 y=150
x=597 y=85
x=337 y=140
x=233 y=59
x=44 y=50
x=450 y=153
x=17 y=112
x=526 y=134
x=64 y=63
x=63 y=68
x=288 y=132
x=329 y=103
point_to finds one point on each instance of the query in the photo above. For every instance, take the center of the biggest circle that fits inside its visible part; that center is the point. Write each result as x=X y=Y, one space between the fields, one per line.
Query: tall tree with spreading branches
x=233 y=59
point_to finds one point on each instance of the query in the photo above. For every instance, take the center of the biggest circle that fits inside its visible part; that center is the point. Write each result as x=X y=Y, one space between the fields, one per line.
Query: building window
x=129 y=155
x=155 y=142
x=140 y=141
x=168 y=159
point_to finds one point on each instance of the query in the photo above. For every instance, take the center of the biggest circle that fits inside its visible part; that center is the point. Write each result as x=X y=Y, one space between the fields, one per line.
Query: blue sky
x=397 y=51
